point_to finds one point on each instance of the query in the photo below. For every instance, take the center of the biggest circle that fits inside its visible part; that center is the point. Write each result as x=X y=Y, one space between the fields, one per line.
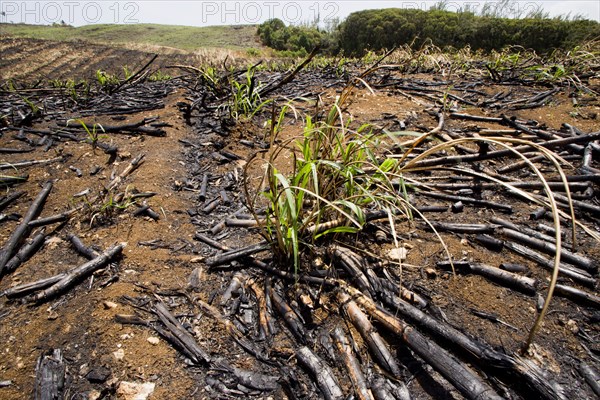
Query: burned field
x=376 y=228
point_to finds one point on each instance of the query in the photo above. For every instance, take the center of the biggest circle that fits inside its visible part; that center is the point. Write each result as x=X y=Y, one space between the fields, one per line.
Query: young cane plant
x=336 y=179
x=93 y=134
x=245 y=100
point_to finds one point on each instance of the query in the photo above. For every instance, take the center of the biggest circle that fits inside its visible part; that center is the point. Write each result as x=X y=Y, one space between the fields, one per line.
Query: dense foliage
x=381 y=29
x=301 y=39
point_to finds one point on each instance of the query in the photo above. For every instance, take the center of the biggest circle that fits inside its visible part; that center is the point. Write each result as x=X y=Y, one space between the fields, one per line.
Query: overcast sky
x=205 y=13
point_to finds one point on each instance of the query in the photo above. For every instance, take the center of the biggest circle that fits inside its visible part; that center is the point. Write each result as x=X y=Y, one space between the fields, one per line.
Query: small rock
x=109 y=304
x=119 y=354
x=53 y=242
x=153 y=340
x=135 y=391
x=98 y=375
x=84 y=369
x=572 y=325
x=94 y=395
x=398 y=253
x=317 y=262
x=431 y=273
x=52 y=315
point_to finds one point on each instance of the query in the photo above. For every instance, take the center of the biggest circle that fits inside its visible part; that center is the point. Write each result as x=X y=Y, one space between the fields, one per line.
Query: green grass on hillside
x=181 y=37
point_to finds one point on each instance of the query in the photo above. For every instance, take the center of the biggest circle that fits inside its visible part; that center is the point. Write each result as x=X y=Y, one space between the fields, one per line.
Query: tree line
x=384 y=29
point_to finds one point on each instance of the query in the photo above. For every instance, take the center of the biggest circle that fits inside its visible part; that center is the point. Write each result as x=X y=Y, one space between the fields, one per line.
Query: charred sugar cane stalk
x=30 y=163
x=135 y=75
x=467 y=200
x=4 y=150
x=52 y=219
x=383 y=389
x=22 y=231
x=236 y=254
x=565 y=203
x=521 y=283
x=384 y=284
x=263 y=266
x=234 y=286
x=591 y=377
x=352 y=365
x=523 y=229
x=293 y=321
x=461 y=228
x=289 y=77
x=6 y=201
x=81 y=248
x=549 y=248
x=578 y=295
x=26 y=251
x=565 y=269
x=234 y=332
x=13 y=180
x=541 y=134
x=26 y=288
x=326 y=380
x=502 y=153
x=50 y=376
x=133 y=165
x=178 y=337
x=264 y=319
x=353 y=264
x=203 y=188
x=379 y=349
x=183 y=340
x=459 y=375
x=79 y=273
x=164 y=332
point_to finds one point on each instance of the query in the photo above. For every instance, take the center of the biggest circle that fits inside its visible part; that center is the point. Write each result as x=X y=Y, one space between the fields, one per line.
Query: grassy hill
x=186 y=38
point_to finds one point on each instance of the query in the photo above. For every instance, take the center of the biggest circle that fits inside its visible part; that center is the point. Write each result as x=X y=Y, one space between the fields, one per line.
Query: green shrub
x=388 y=28
x=276 y=35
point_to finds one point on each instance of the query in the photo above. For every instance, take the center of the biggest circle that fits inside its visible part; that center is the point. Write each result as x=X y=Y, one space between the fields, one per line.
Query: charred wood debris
x=348 y=325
